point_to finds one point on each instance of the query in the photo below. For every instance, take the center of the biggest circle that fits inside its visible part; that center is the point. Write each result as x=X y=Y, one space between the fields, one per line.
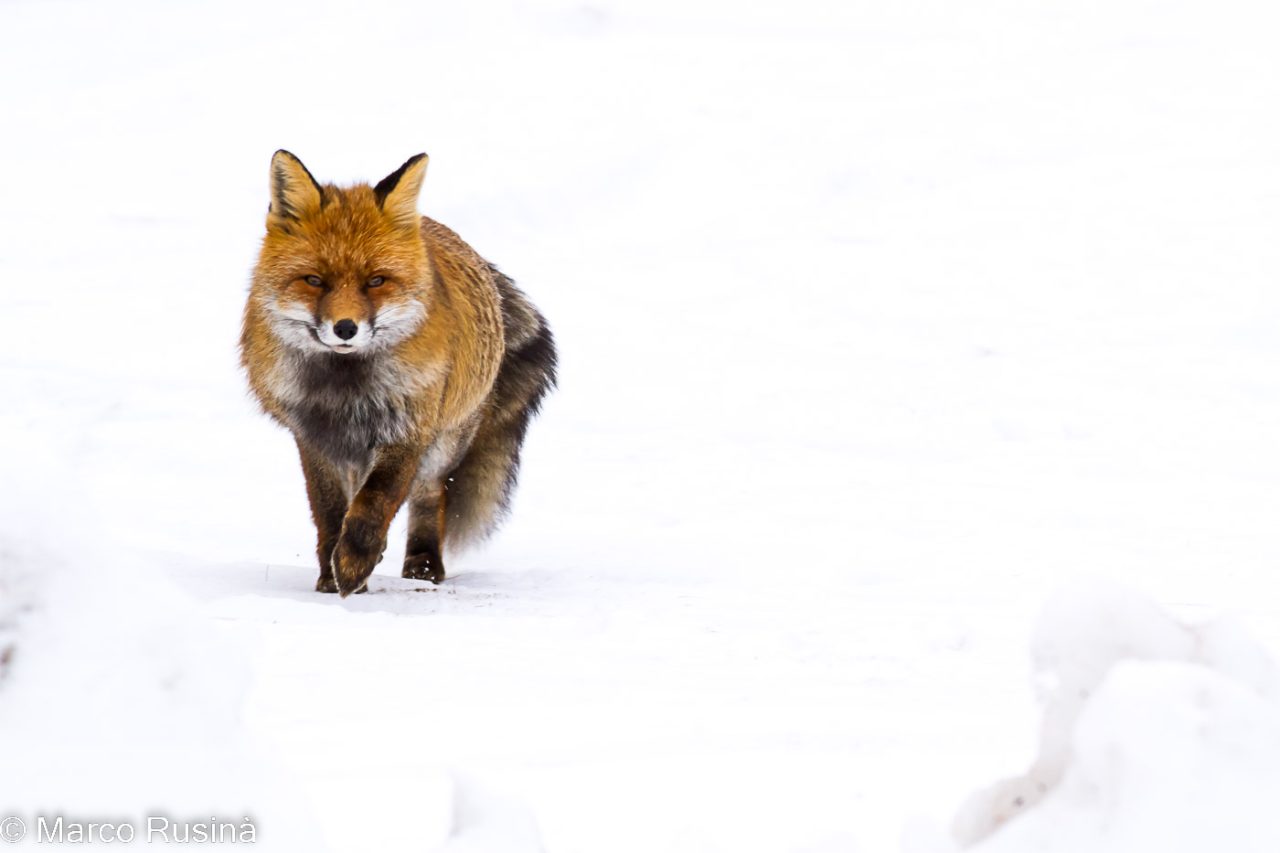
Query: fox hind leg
x=422 y=554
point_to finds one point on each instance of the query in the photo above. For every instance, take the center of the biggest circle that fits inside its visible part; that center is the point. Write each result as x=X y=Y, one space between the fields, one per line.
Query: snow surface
x=879 y=322
x=119 y=700
x=1156 y=736
x=1170 y=757
x=485 y=820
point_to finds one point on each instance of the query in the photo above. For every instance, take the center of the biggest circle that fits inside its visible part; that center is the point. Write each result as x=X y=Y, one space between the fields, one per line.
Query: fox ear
x=294 y=193
x=397 y=193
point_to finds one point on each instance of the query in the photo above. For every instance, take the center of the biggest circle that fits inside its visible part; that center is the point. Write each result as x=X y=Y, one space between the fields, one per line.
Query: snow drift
x=1156 y=736
x=118 y=700
x=486 y=820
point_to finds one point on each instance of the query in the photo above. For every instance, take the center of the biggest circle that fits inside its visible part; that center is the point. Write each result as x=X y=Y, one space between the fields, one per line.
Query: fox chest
x=345 y=407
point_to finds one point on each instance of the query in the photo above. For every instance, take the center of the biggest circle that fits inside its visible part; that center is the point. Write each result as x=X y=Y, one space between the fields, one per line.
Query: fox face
x=343 y=269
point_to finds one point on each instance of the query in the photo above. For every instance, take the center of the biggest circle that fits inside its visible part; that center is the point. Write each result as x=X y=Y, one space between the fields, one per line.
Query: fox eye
x=376 y=281
x=314 y=280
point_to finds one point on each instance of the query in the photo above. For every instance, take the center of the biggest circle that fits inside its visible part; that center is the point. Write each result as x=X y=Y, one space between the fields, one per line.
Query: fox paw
x=359 y=549
x=326 y=583
x=420 y=568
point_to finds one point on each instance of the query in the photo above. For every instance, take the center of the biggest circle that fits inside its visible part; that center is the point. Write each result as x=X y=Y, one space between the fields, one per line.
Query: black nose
x=345 y=329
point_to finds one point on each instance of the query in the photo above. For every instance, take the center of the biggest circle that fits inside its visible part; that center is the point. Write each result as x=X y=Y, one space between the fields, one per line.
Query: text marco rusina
x=60 y=830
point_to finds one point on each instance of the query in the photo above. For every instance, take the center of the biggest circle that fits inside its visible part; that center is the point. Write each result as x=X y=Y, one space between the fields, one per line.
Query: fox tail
x=478 y=491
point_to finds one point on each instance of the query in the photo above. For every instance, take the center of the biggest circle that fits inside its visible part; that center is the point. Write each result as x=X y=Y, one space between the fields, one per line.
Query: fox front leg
x=328 y=501
x=364 y=530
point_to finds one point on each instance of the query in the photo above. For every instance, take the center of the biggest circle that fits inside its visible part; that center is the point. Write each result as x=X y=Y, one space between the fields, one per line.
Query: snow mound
x=1156 y=735
x=489 y=821
x=117 y=697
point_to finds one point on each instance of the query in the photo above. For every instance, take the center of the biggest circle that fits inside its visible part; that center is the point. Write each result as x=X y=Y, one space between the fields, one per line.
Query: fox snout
x=344 y=335
x=342 y=329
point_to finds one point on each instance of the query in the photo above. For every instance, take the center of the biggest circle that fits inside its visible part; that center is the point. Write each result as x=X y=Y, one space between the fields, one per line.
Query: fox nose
x=345 y=329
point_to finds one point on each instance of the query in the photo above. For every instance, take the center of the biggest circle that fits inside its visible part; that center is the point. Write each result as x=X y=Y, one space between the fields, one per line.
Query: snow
x=1156 y=735
x=1082 y=635
x=485 y=820
x=120 y=701
x=879 y=323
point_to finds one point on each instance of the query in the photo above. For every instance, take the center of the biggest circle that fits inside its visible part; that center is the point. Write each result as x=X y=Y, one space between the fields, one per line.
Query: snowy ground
x=879 y=322
x=1156 y=735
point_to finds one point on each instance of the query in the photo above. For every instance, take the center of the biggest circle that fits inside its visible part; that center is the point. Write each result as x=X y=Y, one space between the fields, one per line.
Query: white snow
x=120 y=701
x=1156 y=736
x=486 y=820
x=879 y=322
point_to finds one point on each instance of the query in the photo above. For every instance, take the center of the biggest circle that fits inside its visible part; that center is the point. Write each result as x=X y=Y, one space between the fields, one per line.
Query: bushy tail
x=479 y=490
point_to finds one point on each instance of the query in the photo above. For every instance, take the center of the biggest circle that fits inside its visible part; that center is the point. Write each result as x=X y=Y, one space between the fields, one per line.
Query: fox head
x=343 y=269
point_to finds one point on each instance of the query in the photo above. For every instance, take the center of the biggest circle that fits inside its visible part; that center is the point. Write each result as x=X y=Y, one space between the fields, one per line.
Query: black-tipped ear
x=397 y=193
x=294 y=192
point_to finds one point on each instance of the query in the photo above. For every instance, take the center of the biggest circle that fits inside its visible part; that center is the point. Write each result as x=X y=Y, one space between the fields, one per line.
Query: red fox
x=406 y=366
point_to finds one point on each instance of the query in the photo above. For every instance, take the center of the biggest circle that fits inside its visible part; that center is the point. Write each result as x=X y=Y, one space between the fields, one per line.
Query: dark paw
x=326 y=583
x=420 y=568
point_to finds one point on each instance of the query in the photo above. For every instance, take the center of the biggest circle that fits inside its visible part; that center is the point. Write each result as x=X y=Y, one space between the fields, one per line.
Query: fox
x=406 y=366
